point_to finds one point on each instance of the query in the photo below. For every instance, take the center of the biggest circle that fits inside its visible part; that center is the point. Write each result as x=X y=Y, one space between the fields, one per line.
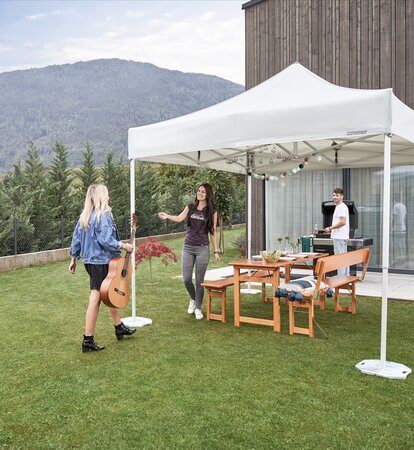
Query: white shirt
x=399 y=213
x=341 y=210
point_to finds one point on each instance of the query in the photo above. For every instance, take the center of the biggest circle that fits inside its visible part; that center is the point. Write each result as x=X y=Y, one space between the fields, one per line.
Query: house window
x=367 y=190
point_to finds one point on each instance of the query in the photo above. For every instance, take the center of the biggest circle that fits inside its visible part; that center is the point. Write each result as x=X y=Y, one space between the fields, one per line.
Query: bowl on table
x=271 y=256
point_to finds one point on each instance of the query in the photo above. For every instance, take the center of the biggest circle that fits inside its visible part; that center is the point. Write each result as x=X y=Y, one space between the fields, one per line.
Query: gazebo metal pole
x=249 y=216
x=134 y=321
x=385 y=245
x=381 y=367
x=132 y=209
x=249 y=290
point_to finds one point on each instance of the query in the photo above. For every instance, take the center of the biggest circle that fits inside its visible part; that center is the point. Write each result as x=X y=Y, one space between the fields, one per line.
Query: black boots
x=122 y=330
x=89 y=345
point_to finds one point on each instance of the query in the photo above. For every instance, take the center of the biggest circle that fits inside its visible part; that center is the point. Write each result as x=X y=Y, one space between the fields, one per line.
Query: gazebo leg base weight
x=383 y=369
x=136 y=322
x=250 y=291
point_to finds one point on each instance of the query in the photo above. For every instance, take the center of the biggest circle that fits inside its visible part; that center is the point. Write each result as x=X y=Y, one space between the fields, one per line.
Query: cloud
x=189 y=46
x=208 y=15
x=135 y=14
x=43 y=15
x=203 y=40
x=4 y=48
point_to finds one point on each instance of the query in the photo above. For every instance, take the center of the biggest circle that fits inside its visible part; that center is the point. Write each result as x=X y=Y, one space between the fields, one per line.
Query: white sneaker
x=191 y=307
x=198 y=314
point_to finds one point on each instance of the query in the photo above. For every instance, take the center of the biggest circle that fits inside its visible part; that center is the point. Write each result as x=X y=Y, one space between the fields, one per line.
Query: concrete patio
x=399 y=286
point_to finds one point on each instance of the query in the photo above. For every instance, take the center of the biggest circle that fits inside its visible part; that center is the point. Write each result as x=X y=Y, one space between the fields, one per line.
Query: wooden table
x=264 y=272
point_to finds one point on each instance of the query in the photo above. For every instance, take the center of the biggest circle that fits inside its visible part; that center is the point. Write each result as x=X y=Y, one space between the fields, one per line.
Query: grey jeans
x=198 y=256
x=340 y=246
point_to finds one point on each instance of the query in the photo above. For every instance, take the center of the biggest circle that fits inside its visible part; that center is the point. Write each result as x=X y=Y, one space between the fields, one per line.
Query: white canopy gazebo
x=302 y=115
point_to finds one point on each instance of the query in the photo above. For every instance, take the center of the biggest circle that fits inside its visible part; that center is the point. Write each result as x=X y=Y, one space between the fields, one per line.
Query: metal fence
x=18 y=236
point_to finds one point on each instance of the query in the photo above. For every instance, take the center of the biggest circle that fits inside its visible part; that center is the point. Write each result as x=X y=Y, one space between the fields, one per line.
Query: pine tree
x=14 y=214
x=88 y=174
x=174 y=202
x=37 y=195
x=109 y=173
x=146 y=200
x=166 y=174
x=116 y=177
x=60 y=193
x=14 y=186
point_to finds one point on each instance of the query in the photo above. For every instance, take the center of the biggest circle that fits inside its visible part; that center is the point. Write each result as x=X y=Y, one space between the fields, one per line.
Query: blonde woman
x=96 y=239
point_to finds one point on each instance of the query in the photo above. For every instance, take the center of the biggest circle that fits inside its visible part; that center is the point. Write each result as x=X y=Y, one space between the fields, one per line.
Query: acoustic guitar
x=115 y=291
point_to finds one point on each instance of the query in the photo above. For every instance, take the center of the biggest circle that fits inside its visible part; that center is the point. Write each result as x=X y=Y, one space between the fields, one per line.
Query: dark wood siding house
x=352 y=43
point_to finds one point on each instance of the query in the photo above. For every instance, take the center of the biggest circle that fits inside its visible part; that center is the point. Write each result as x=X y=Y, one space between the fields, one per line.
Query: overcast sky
x=205 y=36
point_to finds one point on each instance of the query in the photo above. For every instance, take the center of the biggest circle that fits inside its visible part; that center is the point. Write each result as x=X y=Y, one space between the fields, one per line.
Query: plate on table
x=287 y=258
x=257 y=258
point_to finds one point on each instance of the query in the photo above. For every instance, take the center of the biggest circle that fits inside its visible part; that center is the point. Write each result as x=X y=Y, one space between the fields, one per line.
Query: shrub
x=151 y=248
x=240 y=243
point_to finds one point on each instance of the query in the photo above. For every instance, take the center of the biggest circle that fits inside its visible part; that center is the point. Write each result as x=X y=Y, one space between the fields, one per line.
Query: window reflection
x=295 y=208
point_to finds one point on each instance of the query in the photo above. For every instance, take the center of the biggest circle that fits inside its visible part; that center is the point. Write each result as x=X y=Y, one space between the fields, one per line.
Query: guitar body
x=115 y=290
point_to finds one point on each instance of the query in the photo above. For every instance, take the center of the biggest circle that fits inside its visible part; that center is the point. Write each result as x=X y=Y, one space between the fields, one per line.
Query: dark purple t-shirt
x=197 y=233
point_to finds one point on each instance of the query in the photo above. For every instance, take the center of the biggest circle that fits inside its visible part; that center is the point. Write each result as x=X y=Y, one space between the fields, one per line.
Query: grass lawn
x=182 y=383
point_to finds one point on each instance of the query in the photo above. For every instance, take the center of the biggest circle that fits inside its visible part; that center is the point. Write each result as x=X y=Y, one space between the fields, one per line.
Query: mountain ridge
x=95 y=101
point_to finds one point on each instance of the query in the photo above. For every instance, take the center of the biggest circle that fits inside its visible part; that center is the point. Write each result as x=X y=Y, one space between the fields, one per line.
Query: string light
x=281 y=175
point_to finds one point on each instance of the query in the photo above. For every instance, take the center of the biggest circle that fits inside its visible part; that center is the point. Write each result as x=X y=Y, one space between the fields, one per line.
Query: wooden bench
x=323 y=284
x=217 y=288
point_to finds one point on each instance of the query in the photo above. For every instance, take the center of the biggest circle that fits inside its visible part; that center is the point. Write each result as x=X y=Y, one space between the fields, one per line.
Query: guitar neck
x=133 y=229
x=127 y=258
x=128 y=254
x=131 y=241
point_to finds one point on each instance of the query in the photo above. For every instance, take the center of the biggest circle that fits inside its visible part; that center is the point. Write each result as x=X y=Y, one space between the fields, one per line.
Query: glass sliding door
x=367 y=191
x=293 y=205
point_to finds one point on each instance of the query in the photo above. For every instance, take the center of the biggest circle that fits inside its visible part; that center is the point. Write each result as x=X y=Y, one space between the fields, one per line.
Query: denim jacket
x=98 y=243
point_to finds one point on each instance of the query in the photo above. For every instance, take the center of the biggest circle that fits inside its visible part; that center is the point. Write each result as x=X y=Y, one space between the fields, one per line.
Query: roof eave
x=251 y=3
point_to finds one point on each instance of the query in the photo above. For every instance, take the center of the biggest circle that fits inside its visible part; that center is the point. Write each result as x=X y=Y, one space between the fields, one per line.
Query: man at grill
x=340 y=226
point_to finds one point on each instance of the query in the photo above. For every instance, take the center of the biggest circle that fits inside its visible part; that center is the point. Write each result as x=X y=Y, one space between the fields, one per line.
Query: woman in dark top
x=201 y=220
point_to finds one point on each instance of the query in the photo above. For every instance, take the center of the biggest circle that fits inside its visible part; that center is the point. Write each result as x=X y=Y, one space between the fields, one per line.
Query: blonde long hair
x=97 y=198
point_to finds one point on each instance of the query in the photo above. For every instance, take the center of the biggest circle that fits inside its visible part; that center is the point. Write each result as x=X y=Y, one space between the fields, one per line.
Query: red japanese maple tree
x=151 y=248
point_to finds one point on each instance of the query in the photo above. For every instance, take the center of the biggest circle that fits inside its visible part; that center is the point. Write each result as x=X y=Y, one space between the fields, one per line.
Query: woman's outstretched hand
x=163 y=215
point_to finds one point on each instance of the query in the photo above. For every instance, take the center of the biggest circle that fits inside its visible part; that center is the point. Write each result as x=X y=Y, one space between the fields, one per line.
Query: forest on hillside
x=41 y=204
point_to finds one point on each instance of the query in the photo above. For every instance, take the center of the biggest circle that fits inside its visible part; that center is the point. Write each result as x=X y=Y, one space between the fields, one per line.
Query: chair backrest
x=334 y=262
